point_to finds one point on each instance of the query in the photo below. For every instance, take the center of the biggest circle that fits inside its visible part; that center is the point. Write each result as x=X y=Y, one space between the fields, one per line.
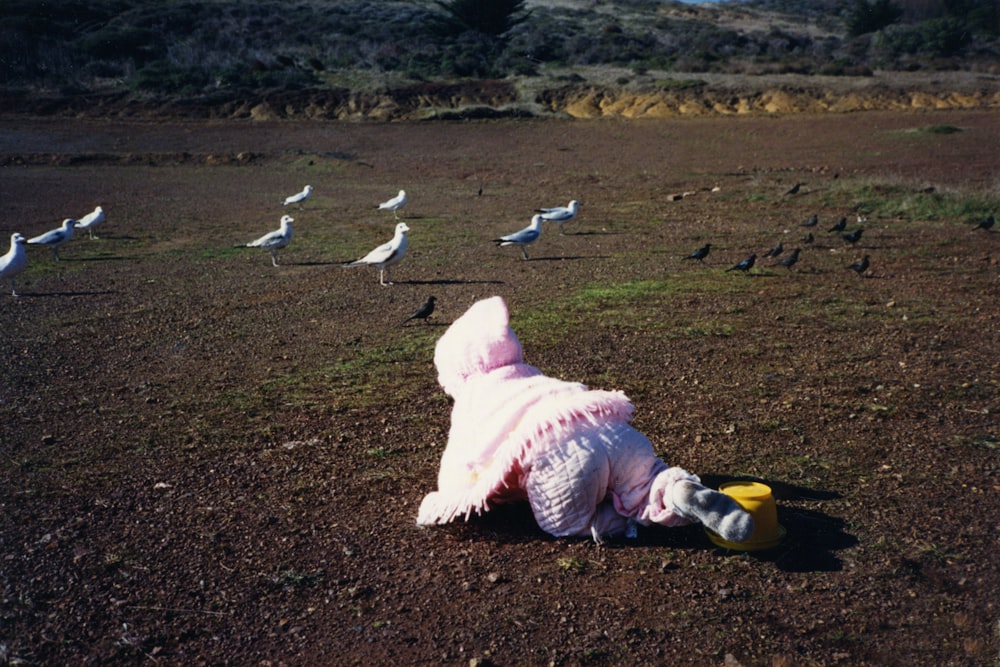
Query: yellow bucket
x=757 y=499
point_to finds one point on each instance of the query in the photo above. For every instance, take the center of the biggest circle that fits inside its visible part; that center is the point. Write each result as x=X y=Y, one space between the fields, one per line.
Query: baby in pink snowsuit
x=517 y=434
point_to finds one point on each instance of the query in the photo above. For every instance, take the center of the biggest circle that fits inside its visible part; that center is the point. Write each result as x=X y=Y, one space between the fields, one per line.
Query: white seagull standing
x=56 y=237
x=522 y=238
x=15 y=261
x=386 y=254
x=299 y=197
x=560 y=214
x=394 y=204
x=91 y=220
x=275 y=240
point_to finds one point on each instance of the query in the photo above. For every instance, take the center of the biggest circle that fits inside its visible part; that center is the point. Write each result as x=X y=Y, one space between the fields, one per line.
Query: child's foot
x=716 y=511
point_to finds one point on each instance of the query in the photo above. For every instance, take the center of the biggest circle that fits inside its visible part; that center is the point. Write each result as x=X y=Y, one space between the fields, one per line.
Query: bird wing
x=54 y=236
x=526 y=235
x=273 y=239
x=387 y=253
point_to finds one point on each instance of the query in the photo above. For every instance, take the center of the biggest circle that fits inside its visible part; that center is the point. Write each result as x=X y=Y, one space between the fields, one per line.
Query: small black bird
x=794 y=189
x=789 y=262
x=745 y=265
x=860 y=266
x=701 y=253
x=840 y=226
x=808 y=238
x=854 y=236
x=421 y=313
x=812 y=221
x=986 y=223
x=775 y=251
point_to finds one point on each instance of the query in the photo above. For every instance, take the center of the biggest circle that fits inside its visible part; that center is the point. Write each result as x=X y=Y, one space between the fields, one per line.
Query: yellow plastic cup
x=757 y=499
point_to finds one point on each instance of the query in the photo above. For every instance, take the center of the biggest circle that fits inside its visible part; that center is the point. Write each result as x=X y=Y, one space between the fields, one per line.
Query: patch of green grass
x=889 y=198
x=571 y=564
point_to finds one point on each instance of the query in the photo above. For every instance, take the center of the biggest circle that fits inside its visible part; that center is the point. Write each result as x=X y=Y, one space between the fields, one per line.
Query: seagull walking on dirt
x=560 y=214
x=299 y=197
x=14 y=262
x=701 y=253
x=421 y=313
x=56 y=237
x=276 y=240
x=394 y=204
x=386 y=254
x=523 y=237
x=745 y=264
x=91 y=220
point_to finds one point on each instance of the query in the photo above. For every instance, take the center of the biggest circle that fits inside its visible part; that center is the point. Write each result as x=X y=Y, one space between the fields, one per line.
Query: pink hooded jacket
x=517 y=434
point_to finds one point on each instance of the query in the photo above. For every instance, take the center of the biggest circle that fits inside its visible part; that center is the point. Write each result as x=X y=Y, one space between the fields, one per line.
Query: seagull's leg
x=13 y=288
x=274 y=258
x=561 y=230
x=395 y=214
x=524 y=255
x=381 y=275
x=55 y=251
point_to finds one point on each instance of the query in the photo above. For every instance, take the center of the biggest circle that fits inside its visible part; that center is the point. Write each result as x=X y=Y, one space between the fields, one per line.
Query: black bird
x=840 y=226
x=812 y=221
x=775 y=251
x=421 y=313
x=860 y=266
x=701 y=253
x=794 y=189
x=854 y=236
x=808 y=238
x=745 y=265
x=789 y=262
x=986 y=223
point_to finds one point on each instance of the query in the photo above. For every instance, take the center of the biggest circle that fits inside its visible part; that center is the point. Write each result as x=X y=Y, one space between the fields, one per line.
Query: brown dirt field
x=205 y=459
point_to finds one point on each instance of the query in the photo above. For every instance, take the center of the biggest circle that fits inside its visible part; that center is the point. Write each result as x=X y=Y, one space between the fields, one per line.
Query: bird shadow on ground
x=567 y=258
x=449 y=281
x=35 y=295
x=592 y=233
x=101 y=258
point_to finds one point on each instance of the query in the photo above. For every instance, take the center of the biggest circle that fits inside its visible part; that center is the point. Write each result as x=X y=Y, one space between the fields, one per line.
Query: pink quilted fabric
x=517 y=434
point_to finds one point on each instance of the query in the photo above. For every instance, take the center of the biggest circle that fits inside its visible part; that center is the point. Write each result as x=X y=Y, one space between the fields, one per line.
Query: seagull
x=421 y=313
x=744 y=265
x=91 y=220
x=15 y=261
x=840 y=226
x=812 y=221
x=789 y=262
x=860 y=266
x=775 y=251
x=854 y=236
x=56 y=237
x=560 y=214
x=986 y=223
x=394 y=204
x=386 y=254
x=701 y=253
x=275 y=240
x=522 y=238
x=299 y=197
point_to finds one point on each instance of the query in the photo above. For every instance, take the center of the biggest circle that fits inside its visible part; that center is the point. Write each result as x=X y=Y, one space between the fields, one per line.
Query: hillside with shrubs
x=355 y=58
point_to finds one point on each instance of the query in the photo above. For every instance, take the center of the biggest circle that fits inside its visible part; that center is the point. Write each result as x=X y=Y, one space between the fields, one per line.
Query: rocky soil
x=205 y=459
